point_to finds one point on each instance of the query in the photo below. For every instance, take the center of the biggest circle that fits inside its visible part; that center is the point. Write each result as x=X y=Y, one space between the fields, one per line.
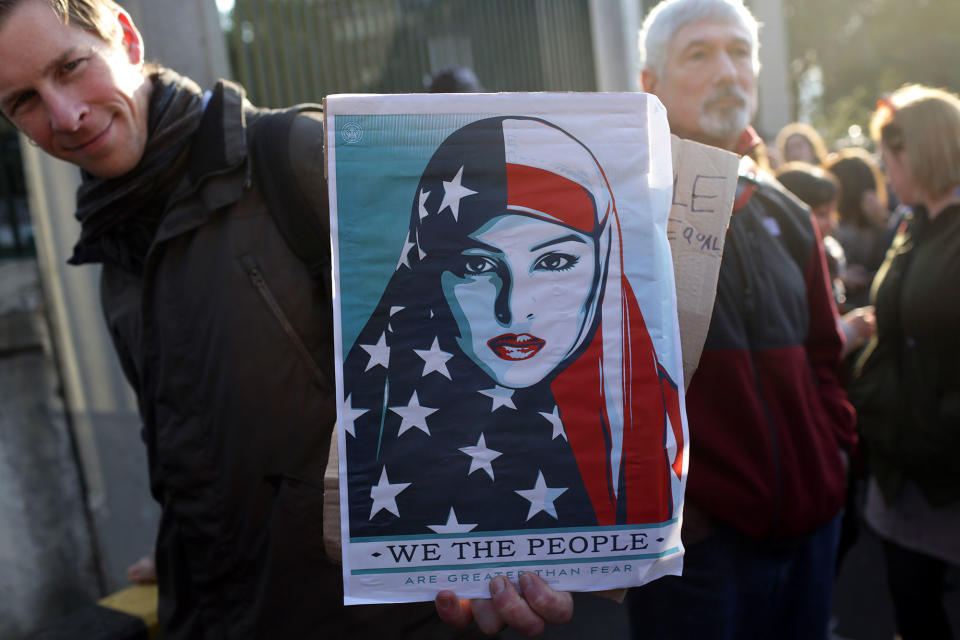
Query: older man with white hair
x=770 y=425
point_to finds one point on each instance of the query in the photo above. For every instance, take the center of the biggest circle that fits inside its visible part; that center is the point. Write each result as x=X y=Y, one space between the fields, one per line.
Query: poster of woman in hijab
x=510 y=373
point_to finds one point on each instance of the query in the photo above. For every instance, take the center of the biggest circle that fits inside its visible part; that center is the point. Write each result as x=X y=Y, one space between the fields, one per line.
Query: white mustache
x=724 y=93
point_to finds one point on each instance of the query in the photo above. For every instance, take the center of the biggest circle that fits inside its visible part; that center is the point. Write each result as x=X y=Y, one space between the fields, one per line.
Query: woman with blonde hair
x=799 y=142
x=907 y=385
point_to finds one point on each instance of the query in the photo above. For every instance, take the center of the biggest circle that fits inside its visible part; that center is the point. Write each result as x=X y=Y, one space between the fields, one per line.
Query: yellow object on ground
x=140 y=601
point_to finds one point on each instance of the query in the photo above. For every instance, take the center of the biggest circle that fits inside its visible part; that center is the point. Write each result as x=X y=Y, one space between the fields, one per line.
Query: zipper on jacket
x=182 y=196
x=260 y=284
x=749 y=307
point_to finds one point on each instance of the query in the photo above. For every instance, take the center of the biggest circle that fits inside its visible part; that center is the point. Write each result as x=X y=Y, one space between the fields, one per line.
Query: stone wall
x=47 y=568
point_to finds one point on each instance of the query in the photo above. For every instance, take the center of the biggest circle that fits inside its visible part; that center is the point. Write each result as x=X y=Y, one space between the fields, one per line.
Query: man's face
x=708 y=84
x=78 y=97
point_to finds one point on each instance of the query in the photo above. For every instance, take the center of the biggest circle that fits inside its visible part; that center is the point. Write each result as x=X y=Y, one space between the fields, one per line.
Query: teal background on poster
x=379 y=160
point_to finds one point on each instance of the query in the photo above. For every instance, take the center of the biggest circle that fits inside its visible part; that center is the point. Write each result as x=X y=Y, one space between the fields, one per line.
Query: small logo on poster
x=352 y=133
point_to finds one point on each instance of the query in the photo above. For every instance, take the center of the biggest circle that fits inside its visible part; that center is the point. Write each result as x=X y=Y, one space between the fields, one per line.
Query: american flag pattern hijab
x=434 y=442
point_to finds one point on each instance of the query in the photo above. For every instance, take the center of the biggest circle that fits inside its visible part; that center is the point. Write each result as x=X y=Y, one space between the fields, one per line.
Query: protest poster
x=704 y=186
x=509 y=365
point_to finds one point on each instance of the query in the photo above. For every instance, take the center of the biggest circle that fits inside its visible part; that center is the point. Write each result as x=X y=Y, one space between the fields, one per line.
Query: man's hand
x=527 y=611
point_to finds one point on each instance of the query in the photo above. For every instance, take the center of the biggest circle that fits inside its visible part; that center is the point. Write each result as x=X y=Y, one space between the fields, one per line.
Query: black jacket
x=768 y=416
x=907 y=389
x=229 y=347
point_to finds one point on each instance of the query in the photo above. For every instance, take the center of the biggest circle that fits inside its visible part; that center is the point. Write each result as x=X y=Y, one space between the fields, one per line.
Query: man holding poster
x=770 y=424
x=220 y=328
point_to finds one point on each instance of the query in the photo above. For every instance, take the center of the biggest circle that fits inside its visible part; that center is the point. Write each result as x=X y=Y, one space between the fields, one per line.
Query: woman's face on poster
x=519 y=293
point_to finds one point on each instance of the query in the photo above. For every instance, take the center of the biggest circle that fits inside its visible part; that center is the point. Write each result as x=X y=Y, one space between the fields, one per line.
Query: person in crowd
x=819 y=190
x=907 y=384
x=221 y=330
x=799 y=142
x=770 y=424
x=863 y=219
x=455 y=80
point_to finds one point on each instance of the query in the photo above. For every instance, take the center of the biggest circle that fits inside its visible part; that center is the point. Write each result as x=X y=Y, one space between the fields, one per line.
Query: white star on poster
x=481 y=457
x=453 y=193
x=405 y=253
x=349 y=415
x=385 y=494
x=423 y=204
x=434 y=359
x=420 y=252
x=393 y=311
x=413 y=415
x=554 y=420
x=452 y=526
x=501 y=396
x=379 y=353
x=541 y=497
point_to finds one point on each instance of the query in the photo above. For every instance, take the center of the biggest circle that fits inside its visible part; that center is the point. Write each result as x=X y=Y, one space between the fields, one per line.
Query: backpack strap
x=298 y=222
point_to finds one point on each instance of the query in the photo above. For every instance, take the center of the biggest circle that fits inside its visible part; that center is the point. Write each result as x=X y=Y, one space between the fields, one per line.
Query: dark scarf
x=119 y=216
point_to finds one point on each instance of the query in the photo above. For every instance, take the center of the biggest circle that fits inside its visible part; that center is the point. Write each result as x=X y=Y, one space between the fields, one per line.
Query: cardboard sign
x=704 y=187
x=508 y=352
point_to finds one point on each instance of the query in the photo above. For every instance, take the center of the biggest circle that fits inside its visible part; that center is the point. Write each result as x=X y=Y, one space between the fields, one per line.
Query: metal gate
x=16 y=232
x=288 y=51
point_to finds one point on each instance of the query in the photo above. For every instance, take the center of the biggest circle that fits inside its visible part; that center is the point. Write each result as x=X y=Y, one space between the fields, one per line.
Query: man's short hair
x=665 y=19
x=811 y=184
x=99 y=17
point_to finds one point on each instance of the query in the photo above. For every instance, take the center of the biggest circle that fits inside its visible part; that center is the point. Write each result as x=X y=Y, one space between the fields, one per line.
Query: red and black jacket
x=768 y=417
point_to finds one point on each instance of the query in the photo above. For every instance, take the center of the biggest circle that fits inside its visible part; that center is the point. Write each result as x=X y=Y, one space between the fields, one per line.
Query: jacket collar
x=218 y=150
x=221 y=140
x=747 y=141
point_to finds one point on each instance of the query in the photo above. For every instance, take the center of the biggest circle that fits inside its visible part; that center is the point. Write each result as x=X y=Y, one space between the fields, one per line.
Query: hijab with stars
x=566 y=418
